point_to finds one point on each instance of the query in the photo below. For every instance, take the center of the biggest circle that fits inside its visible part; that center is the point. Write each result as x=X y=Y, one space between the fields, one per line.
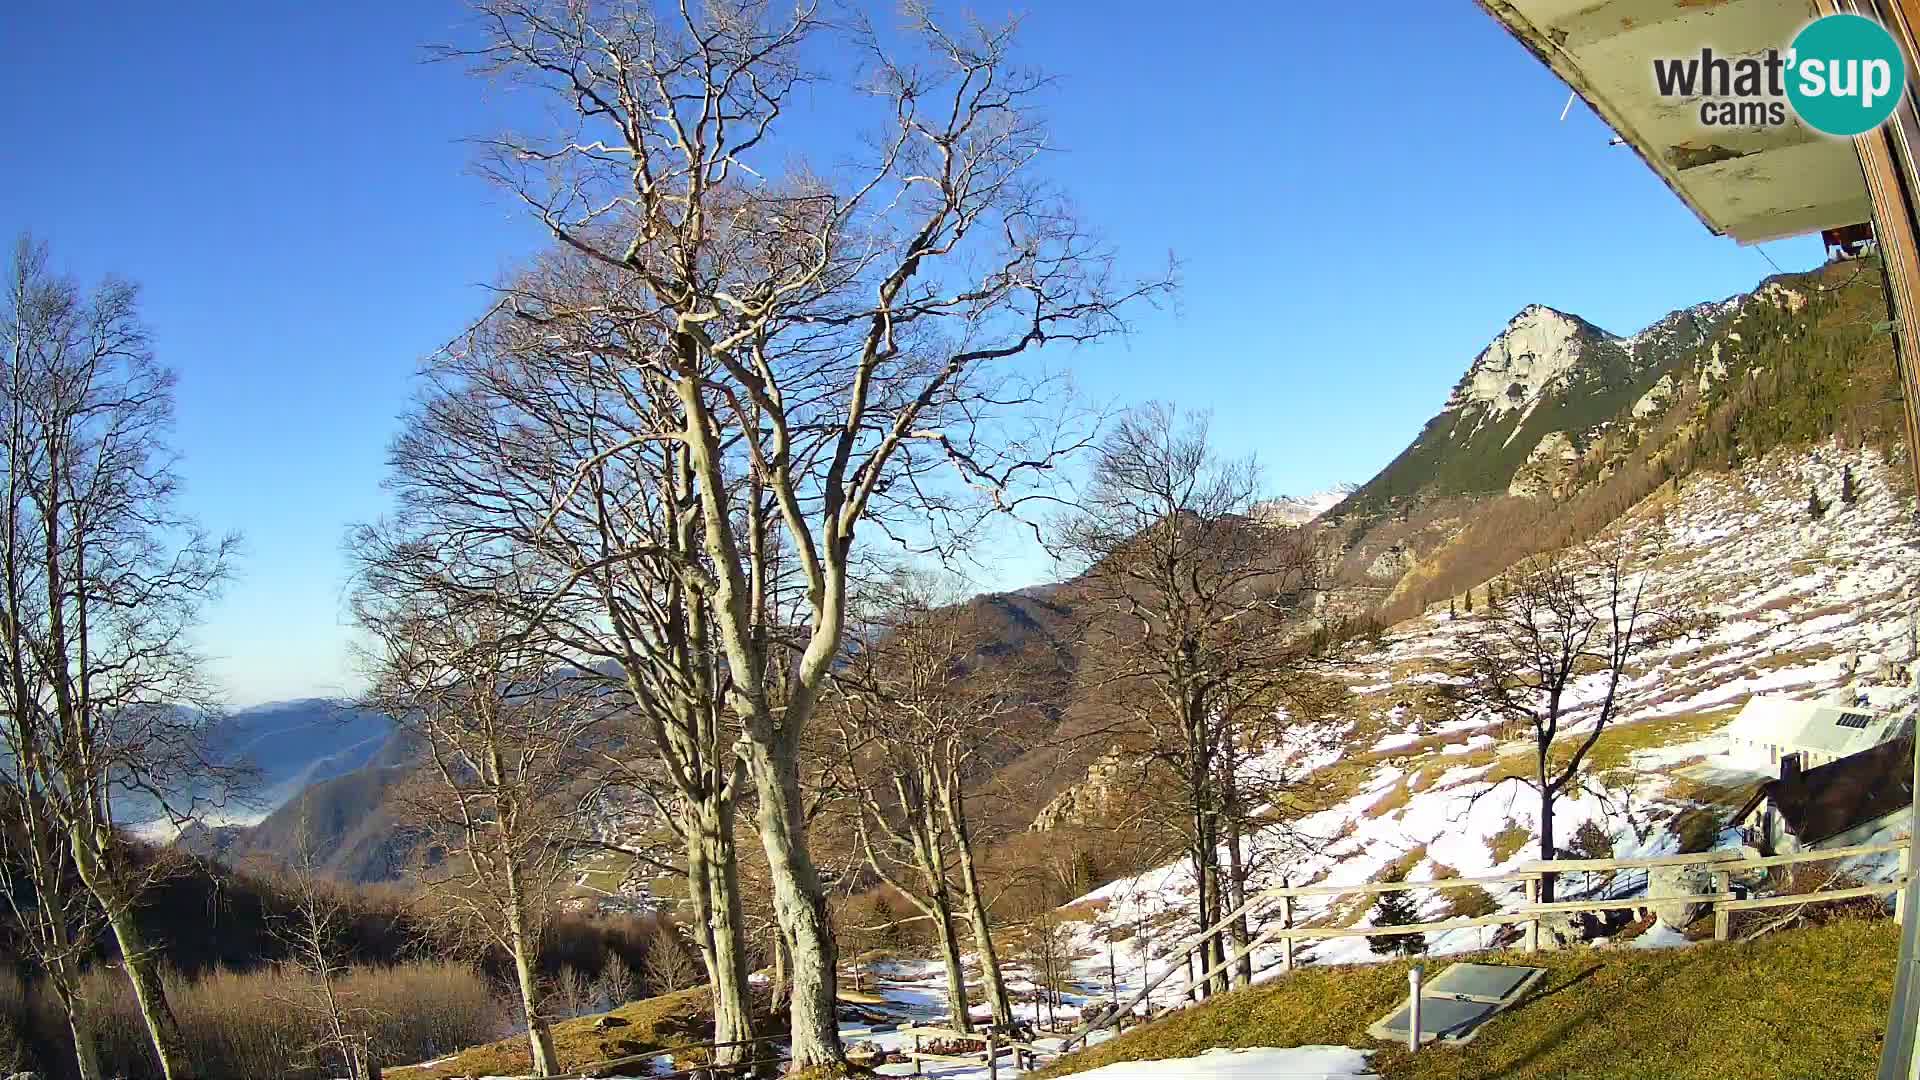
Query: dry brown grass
x=656 y=1024
x=1507 y=843
x=255 y=1024
x=1808 y=1003
x=1394 y=799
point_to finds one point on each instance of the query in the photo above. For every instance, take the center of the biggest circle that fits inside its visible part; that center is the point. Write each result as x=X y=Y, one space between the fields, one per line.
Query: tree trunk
x=143 y=968
x=950 y=955
x=1546 y=831
x=1237 y=871
x=801 y=904
x=1203 y=914
x=1217 y=945
x=86 y=1049
x=781 y=992
x=1237 y=900
x=723 y=928
x=143 y=971
x=996 y=984
x=539 y=1035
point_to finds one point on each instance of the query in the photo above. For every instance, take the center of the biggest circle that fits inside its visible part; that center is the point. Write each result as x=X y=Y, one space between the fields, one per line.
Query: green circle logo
x=1847 y=74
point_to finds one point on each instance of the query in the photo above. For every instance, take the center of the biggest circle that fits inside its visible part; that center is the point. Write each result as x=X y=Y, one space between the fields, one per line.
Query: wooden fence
x=992 y=1043
x=1279 y=903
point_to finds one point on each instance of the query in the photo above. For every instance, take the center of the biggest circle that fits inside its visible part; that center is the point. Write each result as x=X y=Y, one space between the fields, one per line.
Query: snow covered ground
x=1804 y=608
x=1294 y=1063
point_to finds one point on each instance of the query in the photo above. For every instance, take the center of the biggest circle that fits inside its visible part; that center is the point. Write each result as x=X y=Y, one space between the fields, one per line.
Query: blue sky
x=1360 y=197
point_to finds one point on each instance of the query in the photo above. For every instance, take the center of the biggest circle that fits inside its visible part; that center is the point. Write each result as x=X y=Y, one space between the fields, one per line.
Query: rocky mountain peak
x=1539 y=346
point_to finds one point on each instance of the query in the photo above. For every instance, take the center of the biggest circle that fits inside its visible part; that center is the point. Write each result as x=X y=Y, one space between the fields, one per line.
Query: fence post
x=1899 y=898
x=1286 y=942
x=916 y=1053
x=993 y=1058
x=1533 y=924
x=1722 y=918
x=1413 y=1008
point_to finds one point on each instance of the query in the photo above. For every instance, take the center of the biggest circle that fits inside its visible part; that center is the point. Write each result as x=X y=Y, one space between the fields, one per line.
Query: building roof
x=1749 y=183
x=1824 y=802
x=1830 y=730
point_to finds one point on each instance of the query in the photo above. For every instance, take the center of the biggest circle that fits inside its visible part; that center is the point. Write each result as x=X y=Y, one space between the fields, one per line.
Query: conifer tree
x=1396 y=909
x=1816 y=507
x=1849 y=493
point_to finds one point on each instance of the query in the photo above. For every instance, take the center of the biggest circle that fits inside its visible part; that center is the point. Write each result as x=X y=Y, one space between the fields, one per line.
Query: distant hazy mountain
x=292 y=744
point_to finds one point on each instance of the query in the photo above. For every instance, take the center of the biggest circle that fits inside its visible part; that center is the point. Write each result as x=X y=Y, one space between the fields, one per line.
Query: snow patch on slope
x=1301 y=509
x=1804 y=608
x=1293 y=1063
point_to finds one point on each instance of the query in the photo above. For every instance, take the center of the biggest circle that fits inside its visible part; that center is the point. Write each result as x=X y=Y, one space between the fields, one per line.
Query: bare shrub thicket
x=239 y=1024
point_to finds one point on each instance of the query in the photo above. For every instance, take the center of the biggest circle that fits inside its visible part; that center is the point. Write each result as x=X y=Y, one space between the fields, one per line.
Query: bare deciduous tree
x=536 y=447
x=58 y=919
x=917 y=718
x=667 y=967
x=1197 y=628
x=1547 y=654
x=828 y=339
x=100 y=581
x=498 y=723
x=312 y=930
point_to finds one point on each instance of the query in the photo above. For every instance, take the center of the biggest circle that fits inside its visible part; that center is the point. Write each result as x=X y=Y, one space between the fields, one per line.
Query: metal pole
x=1413 y=1008
x=1896 y=1051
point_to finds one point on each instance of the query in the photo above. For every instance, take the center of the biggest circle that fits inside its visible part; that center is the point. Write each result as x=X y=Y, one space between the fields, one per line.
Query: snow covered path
x=1259 y=1063
x=1297 y=1063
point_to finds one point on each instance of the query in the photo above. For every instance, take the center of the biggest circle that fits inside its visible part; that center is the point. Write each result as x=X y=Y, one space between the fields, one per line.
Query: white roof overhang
x=1752 y=184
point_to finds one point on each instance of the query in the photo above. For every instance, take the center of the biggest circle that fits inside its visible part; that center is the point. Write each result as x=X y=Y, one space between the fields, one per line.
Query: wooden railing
x=1721 y=900
x=993 y=1044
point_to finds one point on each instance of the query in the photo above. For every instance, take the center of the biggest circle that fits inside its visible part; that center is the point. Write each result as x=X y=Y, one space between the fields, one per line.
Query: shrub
x=256 y=1023
x=616 y=985
x=1470 y=903
x=1396 y=909
x=1591 y=841
x=1507 y=843
x=669 y=966
x=13 y=1047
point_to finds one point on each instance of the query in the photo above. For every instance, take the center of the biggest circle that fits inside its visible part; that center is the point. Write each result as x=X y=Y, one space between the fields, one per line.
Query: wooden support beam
x=1371 y=887
x=1794 y=899
x=1626 y=903
x=1562 y=866
x=1882 y=153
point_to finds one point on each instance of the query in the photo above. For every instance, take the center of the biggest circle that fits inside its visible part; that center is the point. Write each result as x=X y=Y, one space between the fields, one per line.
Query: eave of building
x=1752 y=184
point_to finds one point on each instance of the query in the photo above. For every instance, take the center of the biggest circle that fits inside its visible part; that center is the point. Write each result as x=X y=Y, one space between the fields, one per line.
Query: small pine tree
x=1469 y=601
x=1849 y=494
x=1816 y=507
x=1451 y=612
x=1591 y=841
x=1396 y=909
